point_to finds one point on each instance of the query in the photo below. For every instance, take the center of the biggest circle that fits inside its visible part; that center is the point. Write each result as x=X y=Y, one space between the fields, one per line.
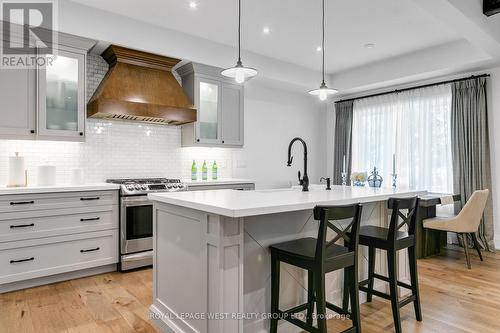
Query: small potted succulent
x=358 y=178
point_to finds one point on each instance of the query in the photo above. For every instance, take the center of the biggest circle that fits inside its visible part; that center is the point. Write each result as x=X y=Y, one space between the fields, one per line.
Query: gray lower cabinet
x=47 y=237
x=220 y=107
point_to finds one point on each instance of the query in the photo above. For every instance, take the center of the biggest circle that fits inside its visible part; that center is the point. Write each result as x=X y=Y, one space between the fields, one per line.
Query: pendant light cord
x=323 y=45
x=239 y=31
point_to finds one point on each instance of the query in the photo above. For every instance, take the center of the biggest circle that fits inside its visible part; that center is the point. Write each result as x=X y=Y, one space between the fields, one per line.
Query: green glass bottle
x=214 y=171
x=194 y=171
x=204 y=171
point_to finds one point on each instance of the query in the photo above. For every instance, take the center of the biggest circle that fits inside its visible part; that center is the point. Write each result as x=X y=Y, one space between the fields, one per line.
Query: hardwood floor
x=113 y=302
x=454 y=299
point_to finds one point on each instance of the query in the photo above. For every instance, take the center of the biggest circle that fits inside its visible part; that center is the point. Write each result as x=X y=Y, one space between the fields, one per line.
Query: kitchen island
x=211 y=265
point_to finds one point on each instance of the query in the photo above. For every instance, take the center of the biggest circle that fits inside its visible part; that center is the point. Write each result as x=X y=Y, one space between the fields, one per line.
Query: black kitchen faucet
x=304 y=181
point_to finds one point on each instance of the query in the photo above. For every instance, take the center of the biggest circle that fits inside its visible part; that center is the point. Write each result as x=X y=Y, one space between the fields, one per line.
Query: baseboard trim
x=155 y=315
x=7 y=287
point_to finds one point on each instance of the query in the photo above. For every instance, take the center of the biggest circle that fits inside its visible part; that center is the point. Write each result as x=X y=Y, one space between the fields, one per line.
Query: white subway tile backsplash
x=116 y=149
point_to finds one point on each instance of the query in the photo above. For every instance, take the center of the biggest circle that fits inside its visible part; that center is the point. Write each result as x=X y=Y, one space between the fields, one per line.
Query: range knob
x=129 y=187
x=137 y=187
x=144 y=187
x=169 y=186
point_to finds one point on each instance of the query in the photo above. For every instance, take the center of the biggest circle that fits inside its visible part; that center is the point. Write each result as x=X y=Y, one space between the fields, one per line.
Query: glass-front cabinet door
x=209 y=111
x=61 y=96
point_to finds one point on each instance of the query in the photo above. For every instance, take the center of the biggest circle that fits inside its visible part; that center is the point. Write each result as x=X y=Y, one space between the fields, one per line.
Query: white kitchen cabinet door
x=208 y=94
x=17 y=107
x=61 y=97
x=232 y=114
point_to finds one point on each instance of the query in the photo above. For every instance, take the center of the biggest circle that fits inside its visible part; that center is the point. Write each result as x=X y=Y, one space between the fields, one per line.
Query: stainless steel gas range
x=136 y=218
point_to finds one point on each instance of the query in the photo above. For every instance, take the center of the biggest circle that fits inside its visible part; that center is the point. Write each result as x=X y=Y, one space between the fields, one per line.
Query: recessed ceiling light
x=369 y=46
x=318 y=49
x=193 y=4
x=266 y=30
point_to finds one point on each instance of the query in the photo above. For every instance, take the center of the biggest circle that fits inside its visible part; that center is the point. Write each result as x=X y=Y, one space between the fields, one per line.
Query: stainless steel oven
x=136 y=218
x=136 y=232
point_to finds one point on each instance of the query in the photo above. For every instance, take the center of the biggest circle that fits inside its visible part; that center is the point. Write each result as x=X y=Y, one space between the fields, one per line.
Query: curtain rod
x=413 y=88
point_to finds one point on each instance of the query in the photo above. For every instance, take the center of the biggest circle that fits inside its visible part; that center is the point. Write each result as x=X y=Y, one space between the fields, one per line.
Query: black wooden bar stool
x=392 y=239
x=320 y=256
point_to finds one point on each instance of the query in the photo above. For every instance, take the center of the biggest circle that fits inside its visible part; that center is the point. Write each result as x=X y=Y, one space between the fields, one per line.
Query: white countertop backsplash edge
x=58 y=188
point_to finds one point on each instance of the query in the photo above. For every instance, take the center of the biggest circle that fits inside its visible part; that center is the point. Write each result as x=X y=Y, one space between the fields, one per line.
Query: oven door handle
x=137 y=203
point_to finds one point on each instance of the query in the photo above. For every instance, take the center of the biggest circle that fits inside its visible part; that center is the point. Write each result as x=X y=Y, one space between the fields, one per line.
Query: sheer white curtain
x=415 y=126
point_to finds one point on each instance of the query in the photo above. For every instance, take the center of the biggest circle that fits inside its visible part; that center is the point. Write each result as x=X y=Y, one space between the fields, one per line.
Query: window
x=412 y=125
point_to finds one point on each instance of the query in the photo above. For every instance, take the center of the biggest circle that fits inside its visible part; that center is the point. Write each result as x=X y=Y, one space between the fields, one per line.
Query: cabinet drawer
x=56 y=224
x=28 y=202
x=57 y=255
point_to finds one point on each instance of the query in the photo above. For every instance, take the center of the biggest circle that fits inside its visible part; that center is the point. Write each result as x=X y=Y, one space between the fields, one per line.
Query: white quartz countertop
x=220 y=181
x=249 y=203
x=58 y=188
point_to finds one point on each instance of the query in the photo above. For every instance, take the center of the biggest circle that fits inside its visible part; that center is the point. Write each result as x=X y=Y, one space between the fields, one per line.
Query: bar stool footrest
x=286 y=316
x=375 y=292
x=407 y=300
x=337 y=309
x=386 y=279
x=298 y=308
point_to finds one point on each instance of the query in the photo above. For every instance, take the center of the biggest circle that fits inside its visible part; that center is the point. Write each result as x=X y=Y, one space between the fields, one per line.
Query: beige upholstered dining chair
x=466 y=222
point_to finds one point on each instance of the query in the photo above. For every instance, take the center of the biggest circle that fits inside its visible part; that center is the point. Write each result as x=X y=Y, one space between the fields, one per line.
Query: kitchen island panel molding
x=207 y=253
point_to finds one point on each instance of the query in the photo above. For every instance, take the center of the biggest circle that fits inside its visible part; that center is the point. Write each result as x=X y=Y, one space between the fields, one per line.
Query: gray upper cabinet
x=47 y=103
x=61 y=97
x=219 y=104
x=232 y=120
x=17 y=107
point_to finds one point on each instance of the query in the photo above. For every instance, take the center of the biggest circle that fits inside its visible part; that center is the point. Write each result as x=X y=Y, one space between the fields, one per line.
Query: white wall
x=272 y=119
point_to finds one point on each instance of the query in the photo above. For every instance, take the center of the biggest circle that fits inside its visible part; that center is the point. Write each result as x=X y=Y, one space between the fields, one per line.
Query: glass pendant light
x=323 y=92
x=239 y=72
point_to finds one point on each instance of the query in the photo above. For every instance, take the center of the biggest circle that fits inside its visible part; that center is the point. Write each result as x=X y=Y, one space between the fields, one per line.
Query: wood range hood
x=140 y=86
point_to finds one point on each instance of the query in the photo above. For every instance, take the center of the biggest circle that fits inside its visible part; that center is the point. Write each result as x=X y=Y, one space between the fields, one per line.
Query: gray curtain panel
x=470 y=148
x=343 y=140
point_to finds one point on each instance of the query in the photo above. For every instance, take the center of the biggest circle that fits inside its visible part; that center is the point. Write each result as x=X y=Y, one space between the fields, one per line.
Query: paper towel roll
x=46 y=175
x=16 y=171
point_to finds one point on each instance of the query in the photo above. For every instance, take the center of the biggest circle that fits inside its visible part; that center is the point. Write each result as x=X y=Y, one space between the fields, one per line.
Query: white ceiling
x=396 y=27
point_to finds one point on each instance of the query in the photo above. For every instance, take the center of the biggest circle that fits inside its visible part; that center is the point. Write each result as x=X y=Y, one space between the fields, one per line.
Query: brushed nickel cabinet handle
x=89 y=199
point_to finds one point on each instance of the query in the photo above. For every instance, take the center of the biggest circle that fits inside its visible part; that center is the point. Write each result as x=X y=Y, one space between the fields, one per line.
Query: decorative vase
x=375 y=180
x=360 y=183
